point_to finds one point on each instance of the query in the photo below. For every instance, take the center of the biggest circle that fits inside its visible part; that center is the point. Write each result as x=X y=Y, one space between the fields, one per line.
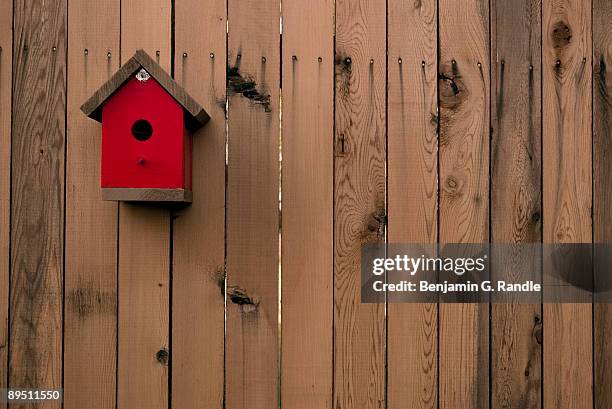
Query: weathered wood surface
x=359 y=199
x=252 y=343
x=144 y=247
x=147 y=195
x=412 y=341
x=199 y=230
x=365 y=157
x=516 y=190
x=307 y=205
x=464 y=189
x=6 y=65
x=37 y=196
x=602 y=194
x=567 y=199
x=90 y=302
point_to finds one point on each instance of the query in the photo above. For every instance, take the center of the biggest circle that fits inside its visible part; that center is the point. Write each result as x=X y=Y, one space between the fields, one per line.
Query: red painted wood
x=158 y=162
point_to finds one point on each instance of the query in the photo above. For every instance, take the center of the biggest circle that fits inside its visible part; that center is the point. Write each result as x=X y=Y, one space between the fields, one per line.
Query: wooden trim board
x=147 y=195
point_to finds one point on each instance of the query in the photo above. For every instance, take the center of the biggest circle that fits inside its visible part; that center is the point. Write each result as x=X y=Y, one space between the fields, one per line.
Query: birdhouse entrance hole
x=142 y=130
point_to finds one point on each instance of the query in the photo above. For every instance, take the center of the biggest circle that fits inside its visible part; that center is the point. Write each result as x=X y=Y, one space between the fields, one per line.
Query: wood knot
x=219 y=277
x=163 y=356
x=561 y=34
x=247 y=87
x=452 y=186
x=373 y=224
x=343 y=67
x=377 y=222
x=452 y=89
x=537 y=330
x=535 y=217
x=240 y=297
x=343 y=62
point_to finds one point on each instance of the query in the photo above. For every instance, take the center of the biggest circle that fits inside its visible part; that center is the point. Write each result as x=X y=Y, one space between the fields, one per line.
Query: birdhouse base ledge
x=147 y=195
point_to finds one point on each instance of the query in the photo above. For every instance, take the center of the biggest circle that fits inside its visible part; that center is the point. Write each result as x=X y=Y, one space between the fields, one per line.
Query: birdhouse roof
x=196 y=115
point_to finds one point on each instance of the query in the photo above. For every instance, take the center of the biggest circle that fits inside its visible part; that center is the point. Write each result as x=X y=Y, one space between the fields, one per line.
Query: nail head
x=320 y=59
x=86 y=51
x=212 y=55
x=399 y=60
x=184 y=55
x=348 y=60
x=157 y=53
x=372 y=61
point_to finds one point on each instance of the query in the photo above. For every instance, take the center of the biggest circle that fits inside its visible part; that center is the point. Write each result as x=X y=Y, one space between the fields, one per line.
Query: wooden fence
x=358 y=121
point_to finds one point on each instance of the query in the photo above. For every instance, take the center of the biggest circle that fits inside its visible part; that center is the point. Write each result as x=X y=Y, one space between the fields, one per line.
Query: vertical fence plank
x=307 y=185
x=412 y=182
x=37 y=206
x=6 y=51
x=602 y=135
x=252 y=204
x=91 y=224
x=144 y=245
x=199 y=230
x=516 y=352
x=567 y=145
x=464 y=171
x=359 y=199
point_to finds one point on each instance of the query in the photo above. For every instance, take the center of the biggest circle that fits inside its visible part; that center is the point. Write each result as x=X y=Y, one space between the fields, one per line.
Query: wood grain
x=359 y=199
x=144 y=247
x=516 y=205
x=37 y=196
x=147 y=25
x=142 y=373
x=307 y=205
x=566 y=58
x=147 y=195
x=6 y=51
x=91 y=225
x=412 y=342
x=602 y=195
x=252 y=338
x=199 y=230
x=464 y=169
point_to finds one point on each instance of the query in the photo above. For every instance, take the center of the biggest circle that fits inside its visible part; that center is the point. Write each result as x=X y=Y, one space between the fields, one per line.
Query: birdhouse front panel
x=144 y=140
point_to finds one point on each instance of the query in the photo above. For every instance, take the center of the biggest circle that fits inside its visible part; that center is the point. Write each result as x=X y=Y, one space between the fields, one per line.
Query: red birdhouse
x=147 y=125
